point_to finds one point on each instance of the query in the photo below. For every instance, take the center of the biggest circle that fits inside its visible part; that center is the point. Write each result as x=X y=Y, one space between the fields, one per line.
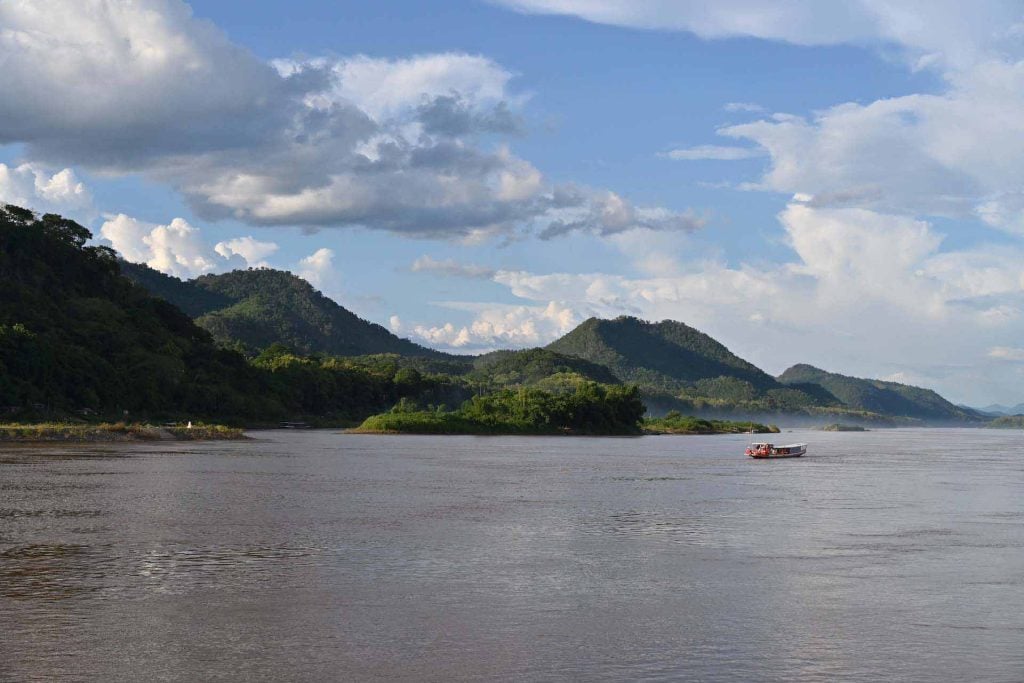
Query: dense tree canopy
x=252 y=309
x=886 y=398
x=74 y=335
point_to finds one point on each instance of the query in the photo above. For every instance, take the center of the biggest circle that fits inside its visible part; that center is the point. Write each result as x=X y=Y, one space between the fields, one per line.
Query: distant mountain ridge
x=258 y=307
x=878 y=396
x=681 y=368
x=997 y=409
x=676 y=365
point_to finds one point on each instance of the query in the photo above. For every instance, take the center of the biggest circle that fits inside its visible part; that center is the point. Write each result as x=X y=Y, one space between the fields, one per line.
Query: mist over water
x=887 y=555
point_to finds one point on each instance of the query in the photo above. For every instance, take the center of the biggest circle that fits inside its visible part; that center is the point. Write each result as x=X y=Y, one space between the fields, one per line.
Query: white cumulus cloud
x=34 y=187
x=249 y=248
x=500 y=326
x=179 y=248
x=176 y=248
x=318 y=267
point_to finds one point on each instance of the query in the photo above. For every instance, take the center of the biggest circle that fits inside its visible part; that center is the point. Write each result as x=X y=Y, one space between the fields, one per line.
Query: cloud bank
x=413 y=146
x=928 y=32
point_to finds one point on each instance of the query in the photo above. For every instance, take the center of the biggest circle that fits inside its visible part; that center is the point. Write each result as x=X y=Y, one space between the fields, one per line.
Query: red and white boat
x=768 y=450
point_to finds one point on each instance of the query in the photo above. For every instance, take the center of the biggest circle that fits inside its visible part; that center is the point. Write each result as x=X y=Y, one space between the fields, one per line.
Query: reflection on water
x=893 y=555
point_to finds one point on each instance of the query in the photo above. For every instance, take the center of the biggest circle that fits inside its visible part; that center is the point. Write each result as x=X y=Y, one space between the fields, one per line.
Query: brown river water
x=893 y=555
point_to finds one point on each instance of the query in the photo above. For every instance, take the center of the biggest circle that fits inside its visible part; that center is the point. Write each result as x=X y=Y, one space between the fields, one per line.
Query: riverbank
x=117 y=431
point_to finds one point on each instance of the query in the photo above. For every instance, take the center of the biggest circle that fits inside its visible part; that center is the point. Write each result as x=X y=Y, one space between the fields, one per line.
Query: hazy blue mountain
x=997 y=409
x=877 y=396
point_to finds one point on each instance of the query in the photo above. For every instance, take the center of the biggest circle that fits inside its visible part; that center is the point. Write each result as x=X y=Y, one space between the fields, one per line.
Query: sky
x=840 y=184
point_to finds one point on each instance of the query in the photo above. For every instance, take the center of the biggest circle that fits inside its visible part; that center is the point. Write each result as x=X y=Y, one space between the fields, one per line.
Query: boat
x=763 y=449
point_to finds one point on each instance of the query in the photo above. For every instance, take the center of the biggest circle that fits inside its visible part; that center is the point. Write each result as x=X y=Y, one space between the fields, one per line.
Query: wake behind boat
x=768 y=450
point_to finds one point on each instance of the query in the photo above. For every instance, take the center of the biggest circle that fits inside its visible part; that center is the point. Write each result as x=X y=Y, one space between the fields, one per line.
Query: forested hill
x=531 y=366
x=667 y=354
x=74 y=335
x=185 y=294
x=877 y=396
x=78 y=338
x=259 y=307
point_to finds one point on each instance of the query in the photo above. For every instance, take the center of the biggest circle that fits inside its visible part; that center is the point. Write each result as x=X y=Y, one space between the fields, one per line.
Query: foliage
x=428 y=422
x=75 y=335
x=877 y=396
x=1007 y=422
x=667 y=354
x=192 y=300
x=673 y=361
x=258 y=307
x=530 y=366
x=839 y=427
x=591 y=408
x=676 y=423
x=350 y=389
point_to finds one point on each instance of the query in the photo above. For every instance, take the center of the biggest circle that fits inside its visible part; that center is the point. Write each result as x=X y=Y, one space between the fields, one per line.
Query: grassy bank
x=674 y=423
x=838 y=427
x=116 y=431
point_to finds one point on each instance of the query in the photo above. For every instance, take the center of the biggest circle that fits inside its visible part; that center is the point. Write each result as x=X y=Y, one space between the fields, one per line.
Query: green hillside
x=258 y=307
x=1007 y=422
x=877 y=396
x=185 y=294
x=666 y=355
x=77 y=337
x=531 y=366
x=78 y=341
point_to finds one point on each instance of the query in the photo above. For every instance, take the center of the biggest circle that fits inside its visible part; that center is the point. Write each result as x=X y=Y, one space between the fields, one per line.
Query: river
x=311 y=555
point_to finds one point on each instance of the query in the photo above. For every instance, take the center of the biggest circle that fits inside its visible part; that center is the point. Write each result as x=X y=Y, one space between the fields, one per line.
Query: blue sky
x=808 y=182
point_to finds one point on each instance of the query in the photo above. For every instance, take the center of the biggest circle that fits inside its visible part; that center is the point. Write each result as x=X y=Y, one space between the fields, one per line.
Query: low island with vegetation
x=1007 y=422
x=115 y=431
x=839 y=427
x=589 y=408
x=677 y=423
